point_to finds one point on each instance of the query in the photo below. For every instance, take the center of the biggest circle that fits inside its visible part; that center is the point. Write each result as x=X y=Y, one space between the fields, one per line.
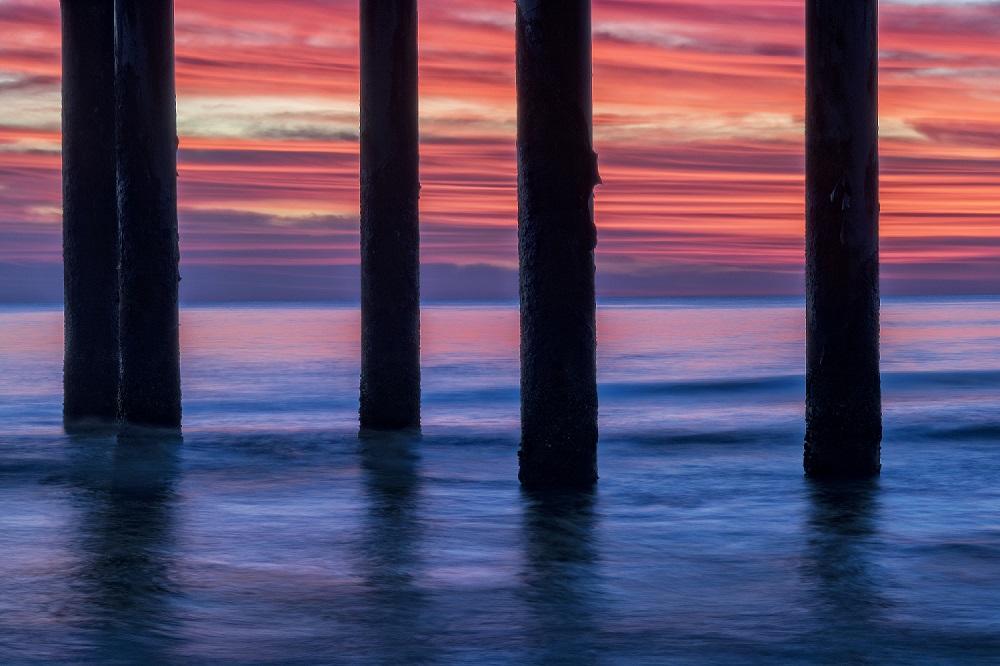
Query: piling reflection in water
x=275 y=541
x=840 y=573
x=396 y=608
x=559 y=579
x=127 y=543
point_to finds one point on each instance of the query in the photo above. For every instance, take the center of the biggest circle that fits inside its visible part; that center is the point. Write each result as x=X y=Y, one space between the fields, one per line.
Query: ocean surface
x=268 y=532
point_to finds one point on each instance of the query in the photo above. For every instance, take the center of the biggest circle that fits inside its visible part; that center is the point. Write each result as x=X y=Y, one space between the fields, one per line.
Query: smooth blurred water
x=269 y=533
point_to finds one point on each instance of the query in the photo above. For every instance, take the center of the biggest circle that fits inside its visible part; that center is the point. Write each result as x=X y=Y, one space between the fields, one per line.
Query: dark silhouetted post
x=150 y=391
x=390 y=189
x=90 y=216
x=843 y=395
x=557 y=172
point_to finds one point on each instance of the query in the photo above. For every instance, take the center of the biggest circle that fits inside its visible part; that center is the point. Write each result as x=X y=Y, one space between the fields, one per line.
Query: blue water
x=269 y=533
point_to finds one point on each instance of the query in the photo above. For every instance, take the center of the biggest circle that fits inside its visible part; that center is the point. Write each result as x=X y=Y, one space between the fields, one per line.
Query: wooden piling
x=557 y=172
x=150 y=386
x=390 y=189
x=843 y=394
x=90 y=217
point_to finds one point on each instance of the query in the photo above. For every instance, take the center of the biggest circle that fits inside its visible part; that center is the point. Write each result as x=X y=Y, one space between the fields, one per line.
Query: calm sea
x=269 y=533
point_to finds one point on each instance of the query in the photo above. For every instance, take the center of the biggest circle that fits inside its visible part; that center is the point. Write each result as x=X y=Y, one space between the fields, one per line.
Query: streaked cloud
x=267 y=117
x=698 y=124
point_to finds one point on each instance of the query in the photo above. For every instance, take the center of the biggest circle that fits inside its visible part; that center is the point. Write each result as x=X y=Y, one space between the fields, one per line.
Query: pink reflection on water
x=681 y=341
x=948 y=336
x=292 y=335
x=468 y=332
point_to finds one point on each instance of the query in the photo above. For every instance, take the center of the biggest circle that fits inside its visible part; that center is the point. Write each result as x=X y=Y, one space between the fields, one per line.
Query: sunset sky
x=698 y=112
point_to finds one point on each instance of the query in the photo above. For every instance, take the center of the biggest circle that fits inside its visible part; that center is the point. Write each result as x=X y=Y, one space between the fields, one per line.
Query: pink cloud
x=698 y=123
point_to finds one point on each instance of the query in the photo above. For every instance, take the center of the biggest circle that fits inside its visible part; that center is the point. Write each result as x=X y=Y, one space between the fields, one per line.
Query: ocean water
x=268 y=532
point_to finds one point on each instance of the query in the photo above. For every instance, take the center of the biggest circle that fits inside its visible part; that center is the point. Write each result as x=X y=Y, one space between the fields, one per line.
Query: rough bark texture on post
x=390 y=189
x=843 y=394
x=90 y=216
x=557 y=172
x=150 y=389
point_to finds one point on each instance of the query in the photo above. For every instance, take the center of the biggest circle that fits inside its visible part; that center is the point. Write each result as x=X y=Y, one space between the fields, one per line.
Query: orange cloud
x=698 y=123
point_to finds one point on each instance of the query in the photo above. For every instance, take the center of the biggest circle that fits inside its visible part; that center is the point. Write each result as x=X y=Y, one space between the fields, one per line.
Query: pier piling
x=557 y=172
x=90 y=216
x=390 y=190
x=843 y=394
x=146 y=121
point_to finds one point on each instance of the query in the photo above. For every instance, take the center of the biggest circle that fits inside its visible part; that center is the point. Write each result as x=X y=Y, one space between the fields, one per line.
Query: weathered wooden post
x=90 y=215
x=146 y=120
x=390 y=189
x=843 y=394
x=557 y=172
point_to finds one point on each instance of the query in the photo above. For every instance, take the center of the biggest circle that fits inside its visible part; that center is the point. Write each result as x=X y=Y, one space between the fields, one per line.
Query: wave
x=779 y=383
x=471 y=396
x=963 y=379
x=891 y=380
x=733 y=436
x=934 y=431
